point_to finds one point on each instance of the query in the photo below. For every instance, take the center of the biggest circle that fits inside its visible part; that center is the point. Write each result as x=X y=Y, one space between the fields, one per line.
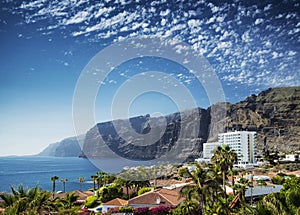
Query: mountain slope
x=273 y=113
x=69 y=147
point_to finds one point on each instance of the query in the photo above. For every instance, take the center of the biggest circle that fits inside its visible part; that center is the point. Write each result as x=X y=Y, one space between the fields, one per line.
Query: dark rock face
x=178 y=133
x=274 y=114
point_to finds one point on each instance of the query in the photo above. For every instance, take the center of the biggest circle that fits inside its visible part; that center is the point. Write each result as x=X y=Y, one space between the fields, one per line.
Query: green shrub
x=278 y=179
x=144 y=190
x=109 y=193
x=91 y=201
x=129 y=209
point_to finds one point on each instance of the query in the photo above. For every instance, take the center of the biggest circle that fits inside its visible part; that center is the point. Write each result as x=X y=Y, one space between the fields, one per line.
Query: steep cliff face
x=129 y=139
x=274 y=114
x=69 y=147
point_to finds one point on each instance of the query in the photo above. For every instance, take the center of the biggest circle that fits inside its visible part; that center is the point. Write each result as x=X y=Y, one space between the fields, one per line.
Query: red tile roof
x=158 y=197
x=116 y=202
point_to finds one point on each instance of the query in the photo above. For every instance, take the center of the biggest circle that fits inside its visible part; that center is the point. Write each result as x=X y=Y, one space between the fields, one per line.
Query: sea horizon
x=37 y=170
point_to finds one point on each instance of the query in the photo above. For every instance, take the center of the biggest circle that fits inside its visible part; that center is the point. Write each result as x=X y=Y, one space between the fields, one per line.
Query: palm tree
x=125 y=183
x=140 y=184
x=191 y=203
x=233 y=158
x=94 y=177
x=204 y=184
x=63 y=181
x=26 y=200
x=100 y=177
x=223 y=159
x=53 y=179
x=81 y=180
x=67 y=204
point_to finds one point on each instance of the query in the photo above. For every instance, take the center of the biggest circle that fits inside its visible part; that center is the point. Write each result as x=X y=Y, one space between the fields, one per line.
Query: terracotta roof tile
x=158 y=197
x=116 y=202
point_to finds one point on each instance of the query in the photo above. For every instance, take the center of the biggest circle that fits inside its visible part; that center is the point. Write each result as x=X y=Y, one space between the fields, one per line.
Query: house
x=291 y=158
x=82 y=195
x=115 y=203
x=258 y=191
x=156 y=198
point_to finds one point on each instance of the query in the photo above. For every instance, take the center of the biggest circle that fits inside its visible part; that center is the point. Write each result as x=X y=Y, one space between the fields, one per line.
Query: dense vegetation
x=206 y=195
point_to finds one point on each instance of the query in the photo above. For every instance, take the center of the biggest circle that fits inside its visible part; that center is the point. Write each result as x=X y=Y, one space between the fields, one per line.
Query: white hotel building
x=242 y=142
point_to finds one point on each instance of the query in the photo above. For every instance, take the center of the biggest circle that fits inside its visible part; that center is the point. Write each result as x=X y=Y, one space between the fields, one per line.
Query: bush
x=144 y=190
x=109 y=193
x=91 y=201
x=141 y=211
x=278 y=179
x=161 y=210
x=129 y=209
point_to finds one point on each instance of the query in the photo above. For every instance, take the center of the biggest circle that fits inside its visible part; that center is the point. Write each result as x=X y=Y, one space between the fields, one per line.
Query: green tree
x=223 y=159
x=63 y=181
x=81 y=180
x=191 y=204
x=108 y=193
x=205 y=186
x=26 y=201
x=187 y=208
x=94 y=178
x=286 y=202
x=91 y=201
x=125 y=183
x=67 y=204
x=102 y=177
x=53 y=179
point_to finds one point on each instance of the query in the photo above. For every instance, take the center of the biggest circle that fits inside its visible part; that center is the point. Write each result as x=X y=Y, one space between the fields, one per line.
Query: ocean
x=33 y=170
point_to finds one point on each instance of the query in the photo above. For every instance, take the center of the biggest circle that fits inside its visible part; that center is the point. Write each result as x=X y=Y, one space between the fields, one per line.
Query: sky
x=46 y=46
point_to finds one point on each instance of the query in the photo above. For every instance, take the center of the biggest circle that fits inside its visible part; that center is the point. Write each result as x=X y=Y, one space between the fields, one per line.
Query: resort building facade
x=242 y=142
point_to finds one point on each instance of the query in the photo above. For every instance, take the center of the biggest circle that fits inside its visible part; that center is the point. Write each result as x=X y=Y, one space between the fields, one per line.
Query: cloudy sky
x=45 y=46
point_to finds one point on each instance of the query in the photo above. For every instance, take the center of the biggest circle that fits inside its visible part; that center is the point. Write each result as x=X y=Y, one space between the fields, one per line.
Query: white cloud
x=217 y=36
x=246 y=37
x=223 y=45
x=211 y=20
x=78 y=18
x=258 y=21
x=165 y=13
x=291 y=53
x=268 y=7
x=103 y=10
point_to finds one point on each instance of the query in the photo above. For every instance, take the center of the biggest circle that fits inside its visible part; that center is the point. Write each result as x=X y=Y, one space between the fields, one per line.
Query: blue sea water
x=33 y=170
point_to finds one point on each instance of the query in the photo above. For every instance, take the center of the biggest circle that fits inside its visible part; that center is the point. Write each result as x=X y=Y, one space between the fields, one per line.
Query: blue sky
x=45 y=45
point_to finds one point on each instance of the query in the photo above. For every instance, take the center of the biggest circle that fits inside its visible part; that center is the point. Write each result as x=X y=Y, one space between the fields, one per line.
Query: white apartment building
x=208 y=149
x=243 y=142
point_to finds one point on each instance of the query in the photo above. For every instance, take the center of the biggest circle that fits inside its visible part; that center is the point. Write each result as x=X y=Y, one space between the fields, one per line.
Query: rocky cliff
x=273 y=113
x=69 y=147
x=117 y=138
